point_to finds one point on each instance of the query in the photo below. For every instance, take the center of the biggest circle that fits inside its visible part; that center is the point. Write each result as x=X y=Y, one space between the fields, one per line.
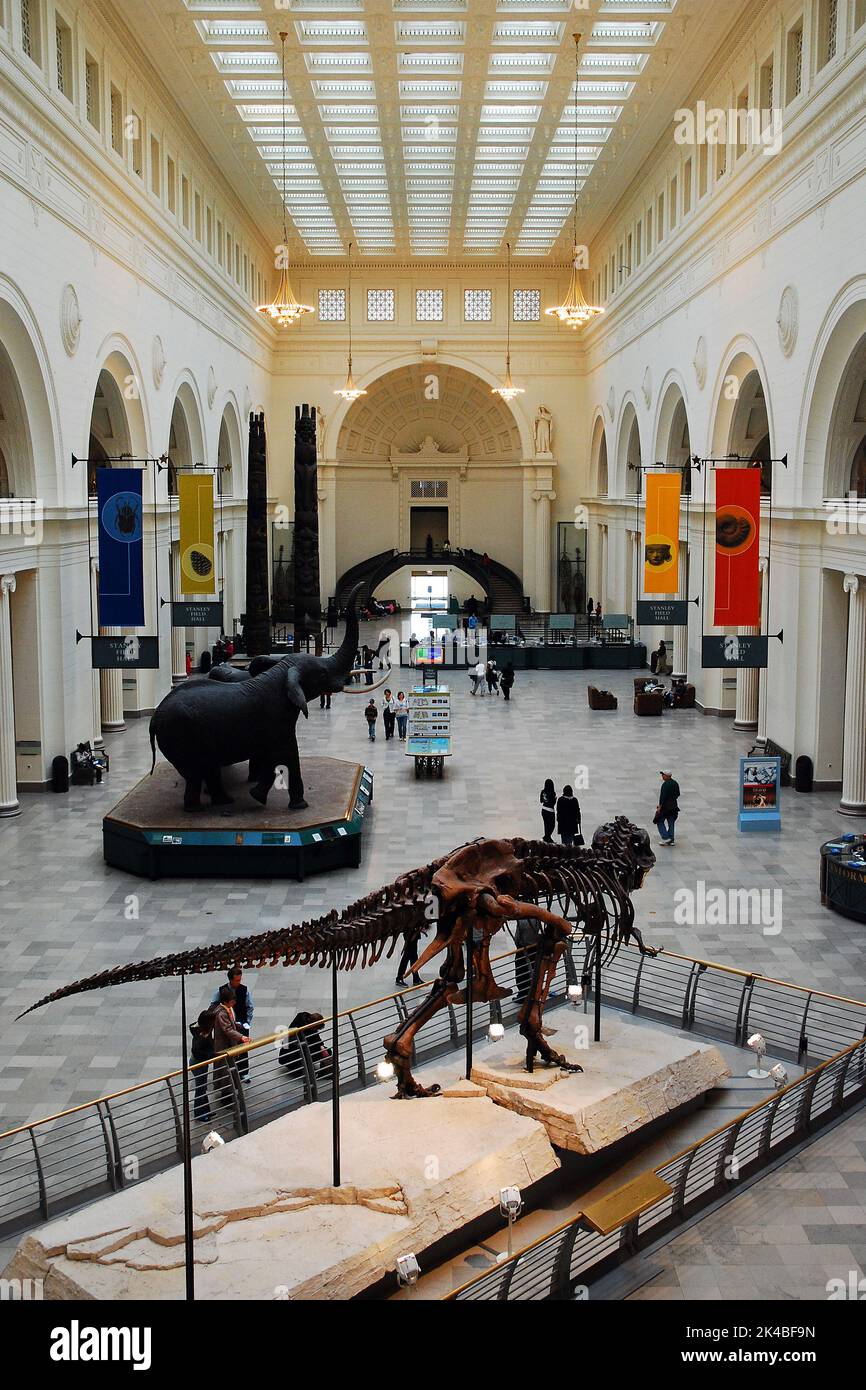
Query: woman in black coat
x=548 y=809
x=506 y=680
x=201 y=1050
x=568 y=817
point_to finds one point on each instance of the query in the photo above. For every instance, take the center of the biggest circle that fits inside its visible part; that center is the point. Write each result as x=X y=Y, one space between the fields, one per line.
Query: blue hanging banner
x=121 y=547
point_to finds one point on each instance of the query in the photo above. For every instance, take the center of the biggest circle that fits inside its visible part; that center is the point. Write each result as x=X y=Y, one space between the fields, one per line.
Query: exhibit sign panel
x=121 y=547
x=197 y=614
x=760 y=785
x=661 y=533
x=749 y=653
x=738 y=525
x=673 y=613
x=125 y=653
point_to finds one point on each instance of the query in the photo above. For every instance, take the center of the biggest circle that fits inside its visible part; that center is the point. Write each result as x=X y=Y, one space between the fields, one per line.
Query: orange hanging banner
x=738 y=529
x=661 y=534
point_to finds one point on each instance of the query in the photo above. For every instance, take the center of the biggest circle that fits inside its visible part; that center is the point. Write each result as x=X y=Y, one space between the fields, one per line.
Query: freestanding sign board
x=760 y=783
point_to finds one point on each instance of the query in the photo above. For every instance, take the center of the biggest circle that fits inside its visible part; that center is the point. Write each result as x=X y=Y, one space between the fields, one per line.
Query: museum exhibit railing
x=578 y=1253
x=59 y=1163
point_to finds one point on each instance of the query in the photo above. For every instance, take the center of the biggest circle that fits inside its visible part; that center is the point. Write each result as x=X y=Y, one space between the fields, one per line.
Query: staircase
x=502 y=584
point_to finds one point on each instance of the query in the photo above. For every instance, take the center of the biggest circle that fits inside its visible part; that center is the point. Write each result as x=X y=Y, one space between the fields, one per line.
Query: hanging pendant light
x=350 y=392
x=284 y=309
x=508 y=390
x=575 y=311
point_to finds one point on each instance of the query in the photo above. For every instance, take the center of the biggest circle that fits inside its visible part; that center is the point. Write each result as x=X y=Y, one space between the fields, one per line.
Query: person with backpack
x=201 y=1050
x=371 y=714
x=568 y=817
x=548 y=809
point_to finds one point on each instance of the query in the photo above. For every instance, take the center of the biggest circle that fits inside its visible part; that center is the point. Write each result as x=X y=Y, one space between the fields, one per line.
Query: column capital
x=544 y=494
x=8 y=584
x=851 y=583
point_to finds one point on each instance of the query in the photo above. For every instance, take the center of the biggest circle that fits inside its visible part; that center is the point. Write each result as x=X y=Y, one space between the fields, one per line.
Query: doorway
x=428 y=521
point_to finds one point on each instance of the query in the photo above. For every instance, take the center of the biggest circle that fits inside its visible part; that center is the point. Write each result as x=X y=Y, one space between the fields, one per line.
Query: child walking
x=371 y=714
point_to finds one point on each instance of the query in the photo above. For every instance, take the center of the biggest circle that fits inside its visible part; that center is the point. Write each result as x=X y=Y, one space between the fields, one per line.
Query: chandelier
x=575 y=311
x=507 y=391
x=284 y=309
x=350 y=392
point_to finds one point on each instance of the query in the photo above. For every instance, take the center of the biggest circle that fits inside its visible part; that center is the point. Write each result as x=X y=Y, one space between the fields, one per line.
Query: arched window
x=857 y=484
x=761 y=454
x=5 y=487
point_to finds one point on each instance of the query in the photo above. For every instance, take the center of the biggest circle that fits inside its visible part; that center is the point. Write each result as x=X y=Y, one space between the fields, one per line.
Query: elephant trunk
x=340 y=663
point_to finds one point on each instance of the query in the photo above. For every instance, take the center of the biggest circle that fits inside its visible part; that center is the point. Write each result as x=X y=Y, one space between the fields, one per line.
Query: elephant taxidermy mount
x=205 y=725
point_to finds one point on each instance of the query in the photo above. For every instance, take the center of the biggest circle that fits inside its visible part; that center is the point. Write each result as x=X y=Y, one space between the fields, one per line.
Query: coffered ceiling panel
x=441 y=128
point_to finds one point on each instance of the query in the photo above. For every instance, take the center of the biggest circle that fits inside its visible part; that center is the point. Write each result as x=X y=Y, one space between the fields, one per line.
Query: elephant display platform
x=148 y=832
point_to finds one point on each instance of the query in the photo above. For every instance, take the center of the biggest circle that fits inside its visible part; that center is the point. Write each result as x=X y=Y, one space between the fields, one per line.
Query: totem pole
x=257 y=627
x=308 y=600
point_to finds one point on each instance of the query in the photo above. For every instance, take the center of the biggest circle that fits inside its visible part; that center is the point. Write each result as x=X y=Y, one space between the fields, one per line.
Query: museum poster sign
x=197 y=614
x=195 y=509
x=760 y=784
x=661 y=533
x=121 y=547
x=673 y=613
x=718 y=653
x=738 y=523
x=125 y=653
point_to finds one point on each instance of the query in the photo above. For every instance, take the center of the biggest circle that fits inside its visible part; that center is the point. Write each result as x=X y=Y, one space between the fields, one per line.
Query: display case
x=571 y=593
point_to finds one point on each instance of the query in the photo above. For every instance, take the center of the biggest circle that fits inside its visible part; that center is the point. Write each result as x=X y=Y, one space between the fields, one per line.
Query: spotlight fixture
x=779 y=1075
x=350 y=392
x=574 y=310
x=496 y=1032
x=408 y=1271
x=574 y=994
x=212 y=1141
x=284 y=309
x=510 y=1205
x=758 y=1045
x=507 y=390
x=385 y=1071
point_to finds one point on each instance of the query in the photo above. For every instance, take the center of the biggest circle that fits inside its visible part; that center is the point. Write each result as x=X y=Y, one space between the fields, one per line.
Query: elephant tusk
x=365 y=689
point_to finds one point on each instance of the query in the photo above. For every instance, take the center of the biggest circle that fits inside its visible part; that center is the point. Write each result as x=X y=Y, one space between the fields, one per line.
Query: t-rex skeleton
x=476 y=888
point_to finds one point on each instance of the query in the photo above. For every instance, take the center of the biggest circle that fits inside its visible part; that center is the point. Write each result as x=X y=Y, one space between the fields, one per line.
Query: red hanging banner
x=738 y=526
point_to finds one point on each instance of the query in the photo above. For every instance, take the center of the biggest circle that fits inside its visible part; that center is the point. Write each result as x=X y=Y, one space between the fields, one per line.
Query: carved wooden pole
x=257 y=627
x=308 y=599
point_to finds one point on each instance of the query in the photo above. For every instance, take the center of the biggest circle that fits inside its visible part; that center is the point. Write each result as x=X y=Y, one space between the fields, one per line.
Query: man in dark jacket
x=568 y=816
x=668 y=807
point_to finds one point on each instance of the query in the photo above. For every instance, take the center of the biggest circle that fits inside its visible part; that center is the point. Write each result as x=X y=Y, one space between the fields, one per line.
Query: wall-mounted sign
x=197 y=615
x=719 y=653
x=673 y=613
x=760 y=783
x=125 y=653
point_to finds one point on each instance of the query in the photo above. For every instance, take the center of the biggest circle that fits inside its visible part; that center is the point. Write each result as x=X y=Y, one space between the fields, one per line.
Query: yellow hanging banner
x=661 y=537
x=197 y=568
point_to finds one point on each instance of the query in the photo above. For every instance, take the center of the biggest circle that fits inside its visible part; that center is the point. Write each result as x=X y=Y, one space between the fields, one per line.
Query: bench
x=773 y=750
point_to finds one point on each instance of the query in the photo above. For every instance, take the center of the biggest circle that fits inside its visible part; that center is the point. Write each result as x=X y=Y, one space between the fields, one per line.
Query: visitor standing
x=401 y=711
x=201 y=1050
x=480 y=674
x=388 y=714
x=226 y=1035
x=526 y=934
x=598 y=614
x=568 y=817
x=491 y=675
x=368 y=665
x=507 y=680
x=243 y=1011
x=590 y=609
x=371 y=714
x=548 y=809
x=668 y=808
x=325 y=700
x=409 y=957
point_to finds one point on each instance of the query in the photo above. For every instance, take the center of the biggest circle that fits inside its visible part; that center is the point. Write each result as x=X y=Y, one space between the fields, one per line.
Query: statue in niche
x=565 y=582
x=543 y=430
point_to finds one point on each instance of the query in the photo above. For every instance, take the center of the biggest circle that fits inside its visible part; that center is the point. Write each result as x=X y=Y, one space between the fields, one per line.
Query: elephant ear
x=295 y=691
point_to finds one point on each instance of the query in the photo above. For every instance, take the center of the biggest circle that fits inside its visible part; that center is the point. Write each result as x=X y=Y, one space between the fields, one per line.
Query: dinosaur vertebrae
x=584 y=883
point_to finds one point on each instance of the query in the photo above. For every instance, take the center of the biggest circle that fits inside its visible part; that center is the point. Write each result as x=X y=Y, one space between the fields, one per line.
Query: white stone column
x=9 y=805
x=763 y=566
x=327 y=495
x=746 y=713
x=95 y=687
x=111 y=690
x=853 y=801
x=542 y=498
x=178 y=634
x=680 y=656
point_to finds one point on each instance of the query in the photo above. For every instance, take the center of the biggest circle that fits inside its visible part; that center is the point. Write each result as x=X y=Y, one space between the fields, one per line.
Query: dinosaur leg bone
x=399 y=1045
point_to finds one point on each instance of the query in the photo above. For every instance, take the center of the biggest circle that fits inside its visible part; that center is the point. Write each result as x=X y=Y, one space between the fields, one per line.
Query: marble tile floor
x=65 y=914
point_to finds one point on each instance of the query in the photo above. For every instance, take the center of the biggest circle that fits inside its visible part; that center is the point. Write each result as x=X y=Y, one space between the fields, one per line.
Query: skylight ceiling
x=431 y=127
